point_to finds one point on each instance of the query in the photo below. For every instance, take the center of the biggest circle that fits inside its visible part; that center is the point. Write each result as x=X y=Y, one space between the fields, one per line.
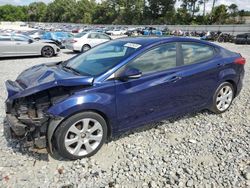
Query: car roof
x=12 y=34
x=147 y=41
x=94 y=32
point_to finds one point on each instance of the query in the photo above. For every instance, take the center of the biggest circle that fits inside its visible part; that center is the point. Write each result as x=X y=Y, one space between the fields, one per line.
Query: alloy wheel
x=85 y=48
x=224 y=98
x=48 y=51
x=83 y=137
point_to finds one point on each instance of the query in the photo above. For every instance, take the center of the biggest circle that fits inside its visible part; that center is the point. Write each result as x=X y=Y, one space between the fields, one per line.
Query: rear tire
x=81 y=135
x=223 y=98
x=85 y=48
x=47 y=51
x=220 y=39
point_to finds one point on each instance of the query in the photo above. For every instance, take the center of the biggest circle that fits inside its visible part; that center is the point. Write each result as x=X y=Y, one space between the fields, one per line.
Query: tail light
x=240 y=61
x=73 y=41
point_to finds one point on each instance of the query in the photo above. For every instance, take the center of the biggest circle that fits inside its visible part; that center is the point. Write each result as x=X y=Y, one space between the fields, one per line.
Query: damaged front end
x=28 y=119
x=32 y=94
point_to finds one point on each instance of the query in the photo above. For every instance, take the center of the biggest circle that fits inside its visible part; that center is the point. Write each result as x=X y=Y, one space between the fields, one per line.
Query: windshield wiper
x=72 y=69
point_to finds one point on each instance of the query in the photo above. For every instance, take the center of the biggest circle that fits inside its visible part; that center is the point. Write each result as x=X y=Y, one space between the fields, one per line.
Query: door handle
x=174 y=79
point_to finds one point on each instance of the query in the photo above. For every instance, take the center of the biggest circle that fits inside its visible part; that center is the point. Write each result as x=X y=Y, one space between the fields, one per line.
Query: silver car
x=84 y=41
x=20 y=45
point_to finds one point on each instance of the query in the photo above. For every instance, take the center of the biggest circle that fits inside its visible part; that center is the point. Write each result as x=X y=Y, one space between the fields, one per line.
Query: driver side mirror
x=30 y=41
x=129 y=73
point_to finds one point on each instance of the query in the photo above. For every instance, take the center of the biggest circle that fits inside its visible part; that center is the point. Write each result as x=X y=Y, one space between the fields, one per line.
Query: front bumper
x=240 y=82
x=57 y=50
x=17 y=128
x=23 y=133
x=69 y=47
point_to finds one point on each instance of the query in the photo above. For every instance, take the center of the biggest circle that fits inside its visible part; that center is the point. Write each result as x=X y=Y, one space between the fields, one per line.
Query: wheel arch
x=53 y=126
x=47 y=45
x=101 y=113
x=213 y=107
x=229 y=75
x=233 y=84
x=86 y=44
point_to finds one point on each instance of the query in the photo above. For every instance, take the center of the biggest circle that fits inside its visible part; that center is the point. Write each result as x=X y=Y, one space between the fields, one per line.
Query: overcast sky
x=242 y=4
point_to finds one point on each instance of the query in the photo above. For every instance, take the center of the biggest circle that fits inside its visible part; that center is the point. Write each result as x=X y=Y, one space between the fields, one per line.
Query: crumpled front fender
x=100 y=102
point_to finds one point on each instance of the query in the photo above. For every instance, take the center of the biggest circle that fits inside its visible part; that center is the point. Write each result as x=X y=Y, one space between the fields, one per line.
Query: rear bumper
x=240 y=82
x=70 y=47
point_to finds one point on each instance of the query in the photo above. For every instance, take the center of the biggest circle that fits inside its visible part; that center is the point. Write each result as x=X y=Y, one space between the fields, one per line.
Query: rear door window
x=195 y=52
x=102 y=36
x=93 y=36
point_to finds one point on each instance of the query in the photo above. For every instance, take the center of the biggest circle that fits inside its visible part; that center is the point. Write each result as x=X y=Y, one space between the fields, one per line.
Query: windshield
x=102 y=58
x=30 y=32
x=79 y=35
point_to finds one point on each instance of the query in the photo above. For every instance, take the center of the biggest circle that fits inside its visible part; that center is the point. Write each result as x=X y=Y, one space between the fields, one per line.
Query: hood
x=46 y=41
x=42 y=77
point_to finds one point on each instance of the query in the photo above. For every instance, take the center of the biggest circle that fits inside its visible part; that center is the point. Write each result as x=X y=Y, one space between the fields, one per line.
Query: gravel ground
x=197 y=150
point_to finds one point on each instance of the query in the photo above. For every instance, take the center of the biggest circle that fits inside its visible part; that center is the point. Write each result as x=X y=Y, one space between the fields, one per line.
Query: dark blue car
x=75 y=105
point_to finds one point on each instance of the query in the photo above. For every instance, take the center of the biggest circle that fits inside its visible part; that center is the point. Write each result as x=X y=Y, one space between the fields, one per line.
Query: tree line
x=127 y=12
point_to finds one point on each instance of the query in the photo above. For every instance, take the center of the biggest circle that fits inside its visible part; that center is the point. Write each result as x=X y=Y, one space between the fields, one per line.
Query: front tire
x=223 y=98
x=221 y=39
x=47 y=51
x=81 y=135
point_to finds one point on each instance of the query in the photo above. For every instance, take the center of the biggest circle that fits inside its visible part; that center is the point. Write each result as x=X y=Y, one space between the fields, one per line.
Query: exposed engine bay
x=27 y=116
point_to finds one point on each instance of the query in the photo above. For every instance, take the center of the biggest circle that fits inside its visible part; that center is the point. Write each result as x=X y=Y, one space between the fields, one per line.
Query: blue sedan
x=75 y=105
x=58 y=37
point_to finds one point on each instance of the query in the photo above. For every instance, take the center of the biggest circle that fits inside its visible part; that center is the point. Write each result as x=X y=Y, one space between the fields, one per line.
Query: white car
x=84 y=41
x=116 y=32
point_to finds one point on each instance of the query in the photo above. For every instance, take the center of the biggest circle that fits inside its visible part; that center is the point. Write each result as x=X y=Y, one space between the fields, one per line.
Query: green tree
x=61 y=11
x=220 y=14
x=37 y=11
x=159 y=11
x=192 y=6
x=106 y=12
x=183 y=16
x=84 y=11
x=130 y=12
x=233 y=10
x=13 y=13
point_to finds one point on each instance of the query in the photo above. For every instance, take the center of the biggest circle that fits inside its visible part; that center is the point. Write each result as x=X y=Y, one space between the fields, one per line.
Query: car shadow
x=147 y=127
x=71 y=53
x=13 y=143
x=19 y=57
